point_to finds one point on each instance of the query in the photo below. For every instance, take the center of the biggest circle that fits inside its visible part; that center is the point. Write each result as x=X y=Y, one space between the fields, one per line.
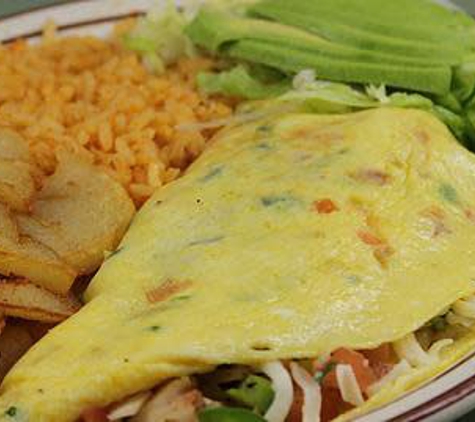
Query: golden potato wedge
x=24 y=257
x=80 y=213
x=21 y=298
x=17 y=186
x=15 y=340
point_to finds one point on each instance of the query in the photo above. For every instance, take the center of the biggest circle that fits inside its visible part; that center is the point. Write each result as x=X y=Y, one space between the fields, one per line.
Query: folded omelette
x=328 y=259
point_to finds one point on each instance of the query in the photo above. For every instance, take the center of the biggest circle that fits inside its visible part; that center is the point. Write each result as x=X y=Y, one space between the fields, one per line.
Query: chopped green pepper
x=254 y=392
x=228 y=414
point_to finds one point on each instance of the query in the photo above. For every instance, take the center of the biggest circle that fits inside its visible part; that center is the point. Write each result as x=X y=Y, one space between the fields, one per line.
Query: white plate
x=446 y=397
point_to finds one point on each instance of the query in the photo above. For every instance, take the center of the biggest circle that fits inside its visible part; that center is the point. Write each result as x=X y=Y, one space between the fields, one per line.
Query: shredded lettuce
x=159 y=37
x=238 y=82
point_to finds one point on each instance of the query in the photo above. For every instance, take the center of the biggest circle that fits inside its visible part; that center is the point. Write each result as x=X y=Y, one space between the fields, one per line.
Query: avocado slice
x=331 y=11
x=357 y=38
x=215 y=29
x=434 y=80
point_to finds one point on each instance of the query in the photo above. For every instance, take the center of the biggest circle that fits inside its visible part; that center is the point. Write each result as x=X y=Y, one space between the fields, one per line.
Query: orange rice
x=94 y=98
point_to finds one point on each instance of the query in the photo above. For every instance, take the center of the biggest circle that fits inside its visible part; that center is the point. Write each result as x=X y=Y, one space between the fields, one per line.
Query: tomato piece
x=363 y=372
x=295 y=413
x=325 y=206
x=94 y=414
x=381 y=359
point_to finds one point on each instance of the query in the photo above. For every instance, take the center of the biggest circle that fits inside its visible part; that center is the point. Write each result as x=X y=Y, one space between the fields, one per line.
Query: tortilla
x=289 y=238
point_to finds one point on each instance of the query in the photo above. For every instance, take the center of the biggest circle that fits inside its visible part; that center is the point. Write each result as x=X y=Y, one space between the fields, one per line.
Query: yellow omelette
x=289 y=238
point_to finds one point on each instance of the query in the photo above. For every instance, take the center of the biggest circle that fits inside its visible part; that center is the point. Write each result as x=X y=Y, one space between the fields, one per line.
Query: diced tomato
x=363 y=372
x=325 y=206
x=381 y=359
x=295 y=414
x=332 y=404
x=94 y=414
x=369 y=238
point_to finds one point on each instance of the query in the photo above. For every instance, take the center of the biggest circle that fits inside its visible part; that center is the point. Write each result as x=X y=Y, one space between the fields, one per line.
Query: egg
x=289 y=238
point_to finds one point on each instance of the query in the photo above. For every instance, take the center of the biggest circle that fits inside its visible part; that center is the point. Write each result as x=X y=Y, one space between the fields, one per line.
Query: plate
x=447 y=397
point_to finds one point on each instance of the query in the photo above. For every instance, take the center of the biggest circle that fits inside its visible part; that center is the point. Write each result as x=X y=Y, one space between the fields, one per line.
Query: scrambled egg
x=290 y=237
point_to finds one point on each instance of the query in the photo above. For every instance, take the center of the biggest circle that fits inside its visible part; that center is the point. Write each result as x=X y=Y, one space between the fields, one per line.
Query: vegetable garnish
x=325 y=206
x=254 y=392
x=167 y=289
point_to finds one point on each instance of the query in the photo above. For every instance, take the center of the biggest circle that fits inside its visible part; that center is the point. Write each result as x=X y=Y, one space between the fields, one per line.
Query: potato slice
x=80 y=213
x=21 y=298
x=22 y=256
x=17 y=186
x=15 y=340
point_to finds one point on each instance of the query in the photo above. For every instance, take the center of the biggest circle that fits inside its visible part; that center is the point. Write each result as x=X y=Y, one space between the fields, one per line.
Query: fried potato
x=25 y=257
x=15 y=340
x=17 y=186
x=21 y=298
x=80 y=213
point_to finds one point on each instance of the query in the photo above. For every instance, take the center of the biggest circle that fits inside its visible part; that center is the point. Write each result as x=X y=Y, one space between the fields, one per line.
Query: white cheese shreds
x=465 y=308
x=312 y=395
x=397 y=371
x=455 y=319
x=129 y=407
x=283 y=389
x=408 y=348
x=348 y=385
x=438 y=346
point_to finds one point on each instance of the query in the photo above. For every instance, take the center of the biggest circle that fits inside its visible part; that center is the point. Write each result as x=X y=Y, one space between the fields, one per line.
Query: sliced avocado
x=215 y=30
x=350 y=36
x=421 y=12
x=434 y=80
x=330 y=12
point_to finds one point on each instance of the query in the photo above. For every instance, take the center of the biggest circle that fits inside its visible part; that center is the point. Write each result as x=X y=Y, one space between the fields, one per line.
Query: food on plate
x=286 y=273
x=79 y=213
x=17 y=185
x=21 y=298
x=22 y=256
x=96 y=99
x=267 y=43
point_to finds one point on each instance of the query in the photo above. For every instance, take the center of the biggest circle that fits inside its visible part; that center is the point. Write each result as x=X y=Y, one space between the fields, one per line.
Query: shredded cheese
x=438 y=346
x=348 y=385
x=408 y=348
x=455 y=319
x=465 y=308
x=397 y=371
x=312 y=396
x=284 y=391
x=129 y=407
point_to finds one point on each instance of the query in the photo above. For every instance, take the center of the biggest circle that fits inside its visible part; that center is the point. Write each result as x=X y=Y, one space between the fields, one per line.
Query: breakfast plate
x=446 y=396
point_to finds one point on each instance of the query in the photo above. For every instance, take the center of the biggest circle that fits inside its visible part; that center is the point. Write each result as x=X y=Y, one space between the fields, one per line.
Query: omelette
x=306 y=267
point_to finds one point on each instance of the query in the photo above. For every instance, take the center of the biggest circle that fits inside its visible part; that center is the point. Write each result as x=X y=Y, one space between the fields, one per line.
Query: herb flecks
x=11 y=411
x=263 y=146
x=216 y=171
x=280 y=201
x=154 y=328
x=320 y=375
x=206 y=241
x=264 y=129
x=448 y=193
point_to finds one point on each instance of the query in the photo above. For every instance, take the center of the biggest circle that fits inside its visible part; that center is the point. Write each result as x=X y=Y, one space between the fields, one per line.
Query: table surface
x=8 y=7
